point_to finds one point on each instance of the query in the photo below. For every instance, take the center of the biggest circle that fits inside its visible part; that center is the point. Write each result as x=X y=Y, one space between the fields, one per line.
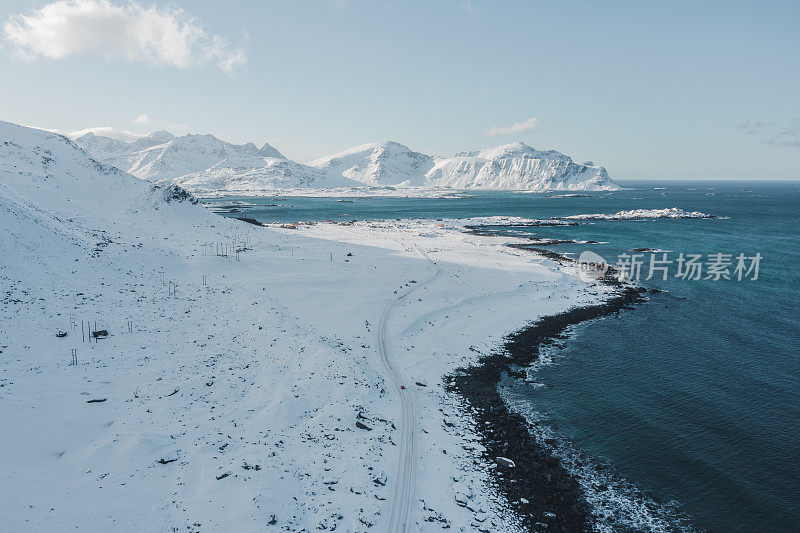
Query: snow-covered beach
x=247 y=390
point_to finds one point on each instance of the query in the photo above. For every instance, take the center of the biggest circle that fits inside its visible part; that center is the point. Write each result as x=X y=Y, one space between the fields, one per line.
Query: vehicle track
x=404 y=485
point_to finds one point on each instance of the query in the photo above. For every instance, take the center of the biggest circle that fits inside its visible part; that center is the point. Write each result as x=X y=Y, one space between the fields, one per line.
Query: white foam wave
x=616 y=504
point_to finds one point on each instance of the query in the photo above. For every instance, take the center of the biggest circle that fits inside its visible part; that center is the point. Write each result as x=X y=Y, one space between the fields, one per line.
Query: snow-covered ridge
x=265 y=174
x=514 y=166
x=517 y=166
x=54 y=200
x=672 y=212
x=206 y=165
x=161 y=155
x=64 y=179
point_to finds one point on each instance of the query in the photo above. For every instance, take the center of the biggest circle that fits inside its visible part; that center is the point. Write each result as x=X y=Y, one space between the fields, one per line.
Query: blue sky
x=649 y=90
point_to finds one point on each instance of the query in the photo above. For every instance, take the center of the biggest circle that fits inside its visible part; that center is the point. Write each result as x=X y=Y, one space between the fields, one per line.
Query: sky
x=650 y=90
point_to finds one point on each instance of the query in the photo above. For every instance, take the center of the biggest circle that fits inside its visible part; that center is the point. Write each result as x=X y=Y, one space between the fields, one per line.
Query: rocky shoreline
x=538 y=488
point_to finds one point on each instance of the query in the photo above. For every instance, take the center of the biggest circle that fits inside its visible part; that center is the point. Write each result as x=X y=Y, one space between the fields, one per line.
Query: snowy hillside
x=205 y=165
x=64 y=180
x=161 y=155
x=58 y=207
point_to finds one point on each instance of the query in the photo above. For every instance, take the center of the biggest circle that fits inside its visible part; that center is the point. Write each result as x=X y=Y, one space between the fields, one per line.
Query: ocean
x=691 y=398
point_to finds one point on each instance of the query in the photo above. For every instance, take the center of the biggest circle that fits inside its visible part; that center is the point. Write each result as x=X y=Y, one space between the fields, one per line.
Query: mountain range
x=204 y=164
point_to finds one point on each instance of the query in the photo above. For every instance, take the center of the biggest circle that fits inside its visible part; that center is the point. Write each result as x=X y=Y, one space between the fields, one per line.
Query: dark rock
x=250 y=221
x=175 y=193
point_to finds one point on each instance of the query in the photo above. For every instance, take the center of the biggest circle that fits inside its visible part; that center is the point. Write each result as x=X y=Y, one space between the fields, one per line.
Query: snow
x=232 y=403
x=257 y=175
x=255 y=189
x=162 y=156
x=517 y=166
x=379 y=164
x=514 y=166
x=207 y=166
x=633 y=214
x=504 y=220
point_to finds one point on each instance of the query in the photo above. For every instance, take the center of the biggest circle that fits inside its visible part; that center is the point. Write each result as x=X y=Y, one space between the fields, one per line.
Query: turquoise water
x=692 y=396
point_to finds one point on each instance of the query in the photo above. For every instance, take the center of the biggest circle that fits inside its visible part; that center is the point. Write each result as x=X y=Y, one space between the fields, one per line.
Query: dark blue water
x=692 y=396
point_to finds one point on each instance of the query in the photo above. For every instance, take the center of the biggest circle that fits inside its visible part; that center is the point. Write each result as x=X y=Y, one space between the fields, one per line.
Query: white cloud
x=517 y=127
x=105 y=131
x=146 y=120
x=129 y=32
x=143 y=122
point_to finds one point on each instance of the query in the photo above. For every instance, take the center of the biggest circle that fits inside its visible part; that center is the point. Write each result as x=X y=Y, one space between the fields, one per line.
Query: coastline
x=538 y=488
x=541 y=492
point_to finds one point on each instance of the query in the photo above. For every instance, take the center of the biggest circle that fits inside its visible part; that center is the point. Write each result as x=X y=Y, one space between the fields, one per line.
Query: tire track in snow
x=404 y=486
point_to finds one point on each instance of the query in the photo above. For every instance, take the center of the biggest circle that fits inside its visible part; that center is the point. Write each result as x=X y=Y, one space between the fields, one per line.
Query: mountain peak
x=373 y=149
x=270 y=151
x=159 y=135
x=516 y=145
x=378 y=164
x=393 y=144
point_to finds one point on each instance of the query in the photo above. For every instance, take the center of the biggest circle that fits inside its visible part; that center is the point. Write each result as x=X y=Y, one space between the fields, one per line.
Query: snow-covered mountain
x=517 y=166
x=379 y=164
x=259 y=175
x=161 y=155
x=205 y=165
